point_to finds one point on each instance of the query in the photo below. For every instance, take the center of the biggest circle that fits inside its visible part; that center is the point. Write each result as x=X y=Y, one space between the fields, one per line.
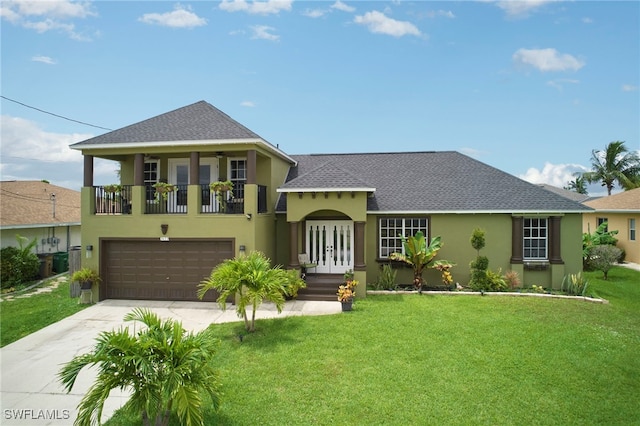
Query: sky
x=528 y=87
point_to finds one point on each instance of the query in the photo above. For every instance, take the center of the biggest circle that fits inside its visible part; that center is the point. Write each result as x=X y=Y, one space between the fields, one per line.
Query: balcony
x=118 y=200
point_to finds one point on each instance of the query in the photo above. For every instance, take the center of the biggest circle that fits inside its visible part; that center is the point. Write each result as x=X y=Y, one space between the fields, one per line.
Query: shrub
x=386 y=279
x=488 y=280
x=18 y=265
x=603 y=257
x=512 y=279
x=575 y=284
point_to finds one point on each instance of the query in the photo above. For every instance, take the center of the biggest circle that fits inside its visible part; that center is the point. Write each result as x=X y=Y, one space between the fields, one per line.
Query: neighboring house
x=572 y=195
x=622 y=213
x=344 y=210
x=36 y=209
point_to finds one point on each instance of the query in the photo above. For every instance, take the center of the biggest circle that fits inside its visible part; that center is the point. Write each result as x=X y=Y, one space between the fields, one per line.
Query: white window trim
x=546 y=241
x=404 y=232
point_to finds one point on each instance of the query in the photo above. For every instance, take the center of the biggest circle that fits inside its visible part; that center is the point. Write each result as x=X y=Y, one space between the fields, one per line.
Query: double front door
x=330 y=245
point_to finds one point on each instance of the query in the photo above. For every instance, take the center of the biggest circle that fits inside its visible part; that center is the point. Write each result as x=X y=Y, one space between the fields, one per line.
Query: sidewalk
x=30 y=393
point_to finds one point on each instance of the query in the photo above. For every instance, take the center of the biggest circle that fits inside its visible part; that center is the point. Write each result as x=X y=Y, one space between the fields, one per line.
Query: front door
x=330 y=245
x=179 y=175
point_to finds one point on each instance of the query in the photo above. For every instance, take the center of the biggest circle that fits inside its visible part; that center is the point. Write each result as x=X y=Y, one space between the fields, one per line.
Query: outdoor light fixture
x=89 y=251
x=248 y=215
x=243 y=249
x=165 y=228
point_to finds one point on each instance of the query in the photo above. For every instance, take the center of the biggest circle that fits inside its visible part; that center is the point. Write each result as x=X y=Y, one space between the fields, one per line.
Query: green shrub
x=17 y=266
x=603 y=257
x=575 y=284
x=386 y=279
x=481 y=263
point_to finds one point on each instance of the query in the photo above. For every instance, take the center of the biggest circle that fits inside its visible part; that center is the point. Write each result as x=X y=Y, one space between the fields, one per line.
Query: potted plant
x=163 y=189
x=86 y=277
x=223 y=190
x=346 y=293
x=112 y=188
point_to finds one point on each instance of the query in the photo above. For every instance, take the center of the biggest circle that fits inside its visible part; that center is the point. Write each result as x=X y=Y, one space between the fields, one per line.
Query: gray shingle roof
x=572 y=195
x=444 y=181
x=195 y=122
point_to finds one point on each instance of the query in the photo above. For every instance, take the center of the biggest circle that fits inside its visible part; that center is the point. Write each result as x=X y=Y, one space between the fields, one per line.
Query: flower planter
x=347 y=306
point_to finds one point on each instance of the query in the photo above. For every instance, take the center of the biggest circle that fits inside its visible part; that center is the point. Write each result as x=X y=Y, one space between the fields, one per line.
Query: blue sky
x=528 y=87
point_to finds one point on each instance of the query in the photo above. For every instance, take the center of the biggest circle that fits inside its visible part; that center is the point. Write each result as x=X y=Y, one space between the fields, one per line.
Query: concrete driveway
x=30 y=393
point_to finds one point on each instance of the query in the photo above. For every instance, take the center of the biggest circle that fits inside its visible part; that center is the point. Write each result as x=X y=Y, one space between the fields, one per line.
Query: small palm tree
x=614 y=164
x=252 y=279
x=578 y=185
x=418 y=254
x=163 y=366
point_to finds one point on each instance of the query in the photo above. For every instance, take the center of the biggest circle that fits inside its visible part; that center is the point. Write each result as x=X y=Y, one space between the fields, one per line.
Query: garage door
x=160 y=270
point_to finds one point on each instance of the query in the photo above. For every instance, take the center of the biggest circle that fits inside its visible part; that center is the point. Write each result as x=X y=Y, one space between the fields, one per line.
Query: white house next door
x=330 y=245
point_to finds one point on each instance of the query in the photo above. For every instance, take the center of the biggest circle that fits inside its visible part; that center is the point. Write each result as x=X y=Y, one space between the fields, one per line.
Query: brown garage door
x=160 y=270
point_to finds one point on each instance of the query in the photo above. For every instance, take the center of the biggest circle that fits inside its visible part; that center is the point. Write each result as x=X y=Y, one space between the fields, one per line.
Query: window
x=390 y=228
x=151 y=174
x=632 y=229
x=535 y=234
x=602 y=220
x=238 y=176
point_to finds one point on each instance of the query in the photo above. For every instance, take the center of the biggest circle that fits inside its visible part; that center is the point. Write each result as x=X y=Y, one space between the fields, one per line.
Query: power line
x=55 y=115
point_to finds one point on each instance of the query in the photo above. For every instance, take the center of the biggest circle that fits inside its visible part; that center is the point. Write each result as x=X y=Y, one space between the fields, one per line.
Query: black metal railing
x=221 y=202
x=169 y=202
x=112 y=199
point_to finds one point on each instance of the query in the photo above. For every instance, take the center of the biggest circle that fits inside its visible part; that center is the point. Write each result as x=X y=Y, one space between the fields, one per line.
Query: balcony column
x=293 y=245
x=88 y=171
x=194 y=169
x=138 y=170
x=251 y=166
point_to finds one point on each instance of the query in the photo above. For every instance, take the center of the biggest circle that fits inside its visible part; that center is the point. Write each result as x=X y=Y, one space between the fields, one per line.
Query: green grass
x=23 y=316
x=422 y=359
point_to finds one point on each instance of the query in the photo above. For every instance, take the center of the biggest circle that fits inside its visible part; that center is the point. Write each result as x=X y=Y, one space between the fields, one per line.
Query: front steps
x=321 y=287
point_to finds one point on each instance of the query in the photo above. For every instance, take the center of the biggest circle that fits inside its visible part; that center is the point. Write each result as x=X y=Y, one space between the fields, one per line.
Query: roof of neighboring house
x=444 y=181
x=572 y=195
x=623 y=201
x=199 y=123
x=25 y=204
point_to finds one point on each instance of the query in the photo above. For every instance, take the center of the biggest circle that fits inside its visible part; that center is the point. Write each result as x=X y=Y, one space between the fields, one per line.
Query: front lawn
x=24 y=315
x=424 y=359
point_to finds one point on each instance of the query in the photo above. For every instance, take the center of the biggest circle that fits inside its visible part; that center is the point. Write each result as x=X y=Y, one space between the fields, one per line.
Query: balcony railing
x=221 y=202
x=112 y=199
x=173 y=202
x=116 y=200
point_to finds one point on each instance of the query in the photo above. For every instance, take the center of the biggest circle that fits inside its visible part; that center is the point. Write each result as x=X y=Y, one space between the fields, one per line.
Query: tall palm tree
x=615 y=164
x=163 y=366
x=251 y=279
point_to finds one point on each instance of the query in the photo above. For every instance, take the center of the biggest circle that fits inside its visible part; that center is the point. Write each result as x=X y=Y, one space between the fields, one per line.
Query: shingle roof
x=443 y=181
x=196 y=122
x=572 y=195
x=28 y=203
x=627 y=200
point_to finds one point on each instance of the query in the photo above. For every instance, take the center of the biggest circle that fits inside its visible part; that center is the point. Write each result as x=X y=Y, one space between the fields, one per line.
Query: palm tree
x=578 y=185
x=251 y=279
x=614 y=164
x=163 y=366
x=418 y=254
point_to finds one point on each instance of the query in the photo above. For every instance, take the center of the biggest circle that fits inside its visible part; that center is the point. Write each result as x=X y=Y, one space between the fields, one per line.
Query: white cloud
x=586 y=20
x=256 y=7
x=314 y=13
x=520 y=8
x=43 y=59
x=379 y=23
x=262 y=32
x=558 y=175
x=30 y=153
x=249 y=104
x=559 y=83
x=44 y=16
x=441 y=13
x=547 y=60
x=180 y=17
x=342 y=6
x=629 y=88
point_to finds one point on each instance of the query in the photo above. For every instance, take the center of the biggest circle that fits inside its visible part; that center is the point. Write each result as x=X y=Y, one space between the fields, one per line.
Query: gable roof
x=572 y=195
x=627 y=201
x=28 y=204
x=444 y=181
x=199 y=123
